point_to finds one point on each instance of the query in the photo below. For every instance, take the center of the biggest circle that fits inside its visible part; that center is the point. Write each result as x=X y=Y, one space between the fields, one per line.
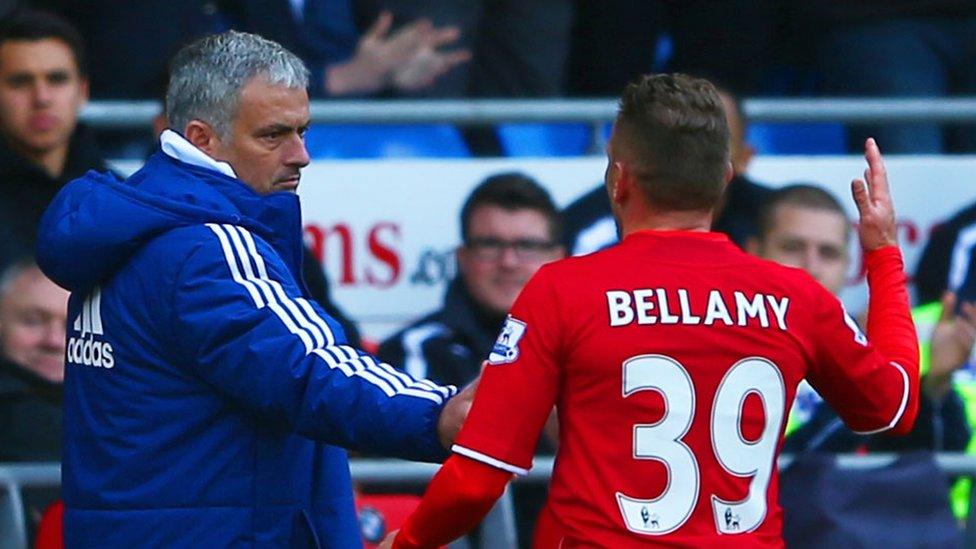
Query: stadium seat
x=385 y=141
x=549 y=139
x=798 y=138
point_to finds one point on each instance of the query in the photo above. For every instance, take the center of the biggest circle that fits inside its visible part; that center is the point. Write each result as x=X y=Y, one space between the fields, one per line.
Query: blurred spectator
x=899 y=48
x=947 y=259
x=32 y=338
x=590 y=226
x=346 y=62
x=519 y=48
x=946 y=267
x=804 y=226
x=509 y=228
x=614 y=41
x=43 y=85
x=342 y=60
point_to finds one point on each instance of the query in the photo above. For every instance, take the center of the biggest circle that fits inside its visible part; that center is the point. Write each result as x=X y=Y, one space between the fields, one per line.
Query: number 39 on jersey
x=662 y=441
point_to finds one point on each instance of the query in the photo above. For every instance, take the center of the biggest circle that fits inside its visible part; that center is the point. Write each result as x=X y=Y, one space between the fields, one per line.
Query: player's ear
x=729 y=172
x=620 y=180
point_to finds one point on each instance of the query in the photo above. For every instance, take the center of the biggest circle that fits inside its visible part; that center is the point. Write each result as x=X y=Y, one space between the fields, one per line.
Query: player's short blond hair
x=676 y=128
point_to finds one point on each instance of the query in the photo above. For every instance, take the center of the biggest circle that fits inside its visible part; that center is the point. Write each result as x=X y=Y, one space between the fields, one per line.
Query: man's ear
x=746 y=152
x=202 y=136
x=84 y=92
x=461 y=256
x=729 y=172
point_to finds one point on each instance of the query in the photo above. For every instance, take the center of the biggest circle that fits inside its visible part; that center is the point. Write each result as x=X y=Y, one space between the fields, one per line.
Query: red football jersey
x=672 y=359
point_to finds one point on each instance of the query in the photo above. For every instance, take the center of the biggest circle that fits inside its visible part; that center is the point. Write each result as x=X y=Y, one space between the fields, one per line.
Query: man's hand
x=387 y=542
x=454 y=413
x=407 y=58
x=429 y=63
x=951 y=344
x=873 y=198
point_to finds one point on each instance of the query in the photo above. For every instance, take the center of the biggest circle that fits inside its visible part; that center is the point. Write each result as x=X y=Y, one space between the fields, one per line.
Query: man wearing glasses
x=509 y=228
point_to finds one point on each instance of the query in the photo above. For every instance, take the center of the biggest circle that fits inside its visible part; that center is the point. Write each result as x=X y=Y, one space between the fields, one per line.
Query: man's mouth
x=289 y=183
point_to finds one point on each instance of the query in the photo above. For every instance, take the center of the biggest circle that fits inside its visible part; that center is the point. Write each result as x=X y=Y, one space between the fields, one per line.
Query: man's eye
x=58 y=78
x=792 y=246
x=18 y=81
x=31 y=319
x=830 y=253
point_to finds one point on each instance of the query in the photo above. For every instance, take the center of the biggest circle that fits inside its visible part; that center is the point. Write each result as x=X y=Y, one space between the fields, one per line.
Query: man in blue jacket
x=207 y=399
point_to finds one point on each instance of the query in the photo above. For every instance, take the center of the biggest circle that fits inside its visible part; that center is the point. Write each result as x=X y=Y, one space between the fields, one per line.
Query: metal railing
x=136 y=114
x=498 y=530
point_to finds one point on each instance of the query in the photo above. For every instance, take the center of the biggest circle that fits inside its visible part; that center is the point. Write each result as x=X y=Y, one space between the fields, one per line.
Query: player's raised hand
x=873 y=198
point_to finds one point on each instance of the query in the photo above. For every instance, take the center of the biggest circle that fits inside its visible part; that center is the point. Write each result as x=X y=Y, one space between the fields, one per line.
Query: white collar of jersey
x=176 y=146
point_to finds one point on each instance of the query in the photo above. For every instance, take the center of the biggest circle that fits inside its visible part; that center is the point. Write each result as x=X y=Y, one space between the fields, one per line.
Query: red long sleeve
x=890 y=326
x=458 y=497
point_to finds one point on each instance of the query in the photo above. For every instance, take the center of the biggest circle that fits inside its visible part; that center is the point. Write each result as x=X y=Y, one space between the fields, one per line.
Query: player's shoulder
x=582 y=262
x=786 y=273
x=793 y=281
x=572 y=270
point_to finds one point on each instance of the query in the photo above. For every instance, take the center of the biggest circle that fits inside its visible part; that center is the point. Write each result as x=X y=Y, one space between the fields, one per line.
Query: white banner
x=387 y=229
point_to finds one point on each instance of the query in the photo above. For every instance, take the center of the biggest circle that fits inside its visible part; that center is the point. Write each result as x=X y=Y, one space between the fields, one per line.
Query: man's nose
x=42 y=94
x=54 y=335
x=812 y=263
x=509 y=257
x=297 y=154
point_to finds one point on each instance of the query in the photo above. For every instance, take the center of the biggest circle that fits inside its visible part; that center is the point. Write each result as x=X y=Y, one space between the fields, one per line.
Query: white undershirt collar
x=176 y=146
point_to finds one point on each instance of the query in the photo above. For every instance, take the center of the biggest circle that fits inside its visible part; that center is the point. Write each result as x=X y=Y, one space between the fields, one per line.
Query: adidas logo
x=88 y=351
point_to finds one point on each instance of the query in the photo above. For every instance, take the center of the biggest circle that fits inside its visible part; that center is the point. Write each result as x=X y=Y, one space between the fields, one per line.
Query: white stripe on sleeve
x=272 y=288
x=488 y=460
x=301 y=319
x=232 y=264
x=901 y=407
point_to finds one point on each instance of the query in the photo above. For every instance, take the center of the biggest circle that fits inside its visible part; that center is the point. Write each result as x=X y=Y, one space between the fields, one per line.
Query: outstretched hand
x=454 y=413
x=872 y=195
x=429 y=61
x=408 y=58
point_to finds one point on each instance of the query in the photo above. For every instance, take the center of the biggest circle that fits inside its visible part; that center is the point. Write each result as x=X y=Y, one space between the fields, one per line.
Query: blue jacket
x=206 y=397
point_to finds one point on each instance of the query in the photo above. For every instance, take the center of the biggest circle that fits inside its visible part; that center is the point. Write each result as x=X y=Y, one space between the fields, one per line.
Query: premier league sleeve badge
x=506 y=348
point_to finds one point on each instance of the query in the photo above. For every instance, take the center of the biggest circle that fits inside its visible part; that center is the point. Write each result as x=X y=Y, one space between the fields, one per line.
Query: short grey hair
x=206 y=76
x=14 y=271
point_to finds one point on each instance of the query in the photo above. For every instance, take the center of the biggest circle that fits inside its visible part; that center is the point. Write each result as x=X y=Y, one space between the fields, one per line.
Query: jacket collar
x=275 y=216
x=177 y=147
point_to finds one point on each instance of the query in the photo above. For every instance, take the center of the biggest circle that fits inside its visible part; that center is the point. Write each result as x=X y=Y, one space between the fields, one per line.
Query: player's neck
x=668 y=221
